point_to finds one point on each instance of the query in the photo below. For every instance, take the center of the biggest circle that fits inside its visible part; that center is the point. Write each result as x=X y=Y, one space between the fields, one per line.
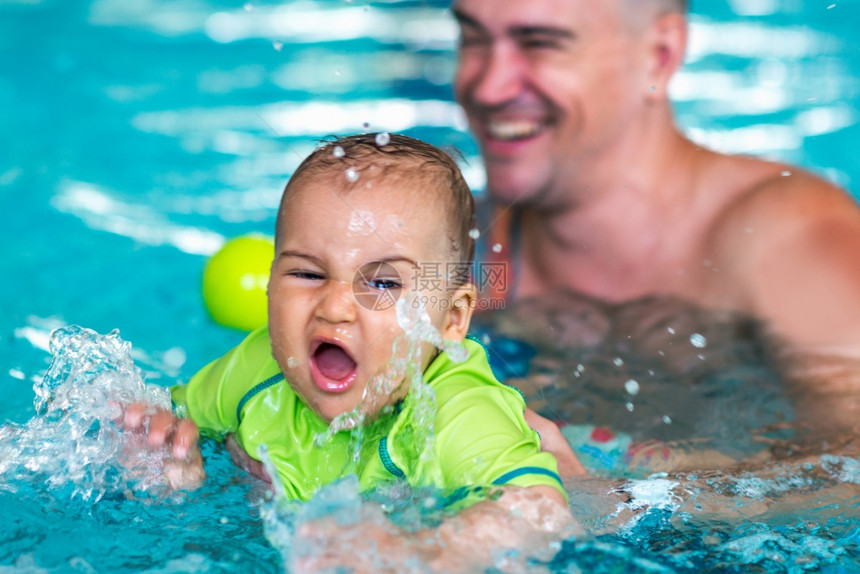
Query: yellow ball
x=235 y=281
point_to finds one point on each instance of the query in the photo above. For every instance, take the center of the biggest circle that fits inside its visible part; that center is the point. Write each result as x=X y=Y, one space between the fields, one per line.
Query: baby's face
x=342 y=260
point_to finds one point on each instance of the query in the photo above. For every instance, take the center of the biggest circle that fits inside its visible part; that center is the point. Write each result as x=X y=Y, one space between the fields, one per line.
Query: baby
x=363 y=222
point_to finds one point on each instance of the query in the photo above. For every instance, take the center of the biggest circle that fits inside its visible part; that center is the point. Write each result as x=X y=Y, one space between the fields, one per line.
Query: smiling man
x=598 y=191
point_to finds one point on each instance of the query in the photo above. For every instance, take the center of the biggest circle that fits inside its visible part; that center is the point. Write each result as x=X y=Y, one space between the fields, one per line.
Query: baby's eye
x=384 y=284
x=311 y=275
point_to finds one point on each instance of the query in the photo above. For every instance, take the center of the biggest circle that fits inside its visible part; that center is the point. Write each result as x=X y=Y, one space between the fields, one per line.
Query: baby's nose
x=337 y=303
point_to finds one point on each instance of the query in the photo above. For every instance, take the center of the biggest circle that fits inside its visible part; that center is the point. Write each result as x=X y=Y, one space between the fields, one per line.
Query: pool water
x=137 y=137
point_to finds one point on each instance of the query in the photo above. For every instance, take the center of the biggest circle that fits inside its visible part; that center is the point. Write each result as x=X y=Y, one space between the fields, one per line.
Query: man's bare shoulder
x=770 y=201
x=787 y=243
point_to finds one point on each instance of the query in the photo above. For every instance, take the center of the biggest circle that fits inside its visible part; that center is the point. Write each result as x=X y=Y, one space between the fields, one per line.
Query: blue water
x=137 y=136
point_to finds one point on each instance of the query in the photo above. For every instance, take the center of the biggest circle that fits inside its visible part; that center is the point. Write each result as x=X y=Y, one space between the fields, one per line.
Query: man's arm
x=501 y=533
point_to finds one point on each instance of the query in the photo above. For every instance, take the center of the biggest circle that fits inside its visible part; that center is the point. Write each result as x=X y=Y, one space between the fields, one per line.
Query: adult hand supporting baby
x=553 y=442
x=501 y=534
x=184 y=470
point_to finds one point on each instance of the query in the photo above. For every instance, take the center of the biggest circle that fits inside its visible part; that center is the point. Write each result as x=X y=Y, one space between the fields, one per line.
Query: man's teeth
x=513 y=130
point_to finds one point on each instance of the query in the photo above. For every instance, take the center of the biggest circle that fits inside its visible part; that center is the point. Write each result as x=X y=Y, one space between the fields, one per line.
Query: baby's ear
x=460 y=312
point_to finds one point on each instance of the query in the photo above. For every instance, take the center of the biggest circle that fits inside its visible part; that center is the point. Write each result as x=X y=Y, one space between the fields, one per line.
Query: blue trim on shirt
x=254 y=390
x=386 y=459
x=518 y=472
x=461 y=493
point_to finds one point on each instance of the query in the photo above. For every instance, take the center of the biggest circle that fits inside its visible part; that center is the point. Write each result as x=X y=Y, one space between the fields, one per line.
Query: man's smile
x=513 y=130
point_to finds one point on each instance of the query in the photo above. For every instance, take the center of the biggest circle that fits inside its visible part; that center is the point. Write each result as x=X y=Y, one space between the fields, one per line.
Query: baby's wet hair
x=370 y=156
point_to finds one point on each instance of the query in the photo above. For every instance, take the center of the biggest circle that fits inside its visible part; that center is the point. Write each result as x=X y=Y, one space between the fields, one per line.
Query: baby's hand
x=163 y=428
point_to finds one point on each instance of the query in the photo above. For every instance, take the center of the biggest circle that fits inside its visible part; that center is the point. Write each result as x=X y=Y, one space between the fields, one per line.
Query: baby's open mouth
x=332 y=367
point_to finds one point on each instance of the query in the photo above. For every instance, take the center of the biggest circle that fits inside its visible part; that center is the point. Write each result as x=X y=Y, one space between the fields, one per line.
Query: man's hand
x=244 y=460
x=553 y=442
x=501 y=534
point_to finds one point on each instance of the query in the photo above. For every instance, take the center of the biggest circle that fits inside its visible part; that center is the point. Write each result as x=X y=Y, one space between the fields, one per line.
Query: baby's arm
x=498 y=532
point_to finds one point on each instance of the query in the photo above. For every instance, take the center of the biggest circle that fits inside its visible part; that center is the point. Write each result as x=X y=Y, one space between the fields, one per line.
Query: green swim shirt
x=481 y=438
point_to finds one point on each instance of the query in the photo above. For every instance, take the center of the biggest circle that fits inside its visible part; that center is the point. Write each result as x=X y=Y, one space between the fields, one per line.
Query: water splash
x=403 y=376
x=73 y=440
x=404 y=369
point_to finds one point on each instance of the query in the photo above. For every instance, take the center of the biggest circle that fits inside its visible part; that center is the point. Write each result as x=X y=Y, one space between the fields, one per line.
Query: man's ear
x=460 y=313
x=667 y=48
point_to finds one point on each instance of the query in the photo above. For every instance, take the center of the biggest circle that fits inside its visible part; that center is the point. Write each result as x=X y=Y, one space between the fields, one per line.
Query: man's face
x=547 y=85
x=326 y=335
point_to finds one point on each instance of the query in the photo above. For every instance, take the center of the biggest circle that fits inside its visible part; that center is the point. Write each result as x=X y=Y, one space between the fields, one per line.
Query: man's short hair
x=661 y=6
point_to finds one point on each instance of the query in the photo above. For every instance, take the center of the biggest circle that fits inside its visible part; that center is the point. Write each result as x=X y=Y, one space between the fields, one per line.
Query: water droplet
x=667 y=419
x=497 y=248
x=382 y=138
x=224 y=520
x=831 y=7
x=580 y=368
x=785 y=173
x=618 y=361
x=351 y=175
x=652 y=88
x=338 y=151
x=174 y=357
x=474 y=233
x=670 y=330
x=698 y=340
x=632 y=387
x=277 y=46
x=248 y=6
x=337 y=73
x=292 y=362
x=629 y=407
x=366 y=125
